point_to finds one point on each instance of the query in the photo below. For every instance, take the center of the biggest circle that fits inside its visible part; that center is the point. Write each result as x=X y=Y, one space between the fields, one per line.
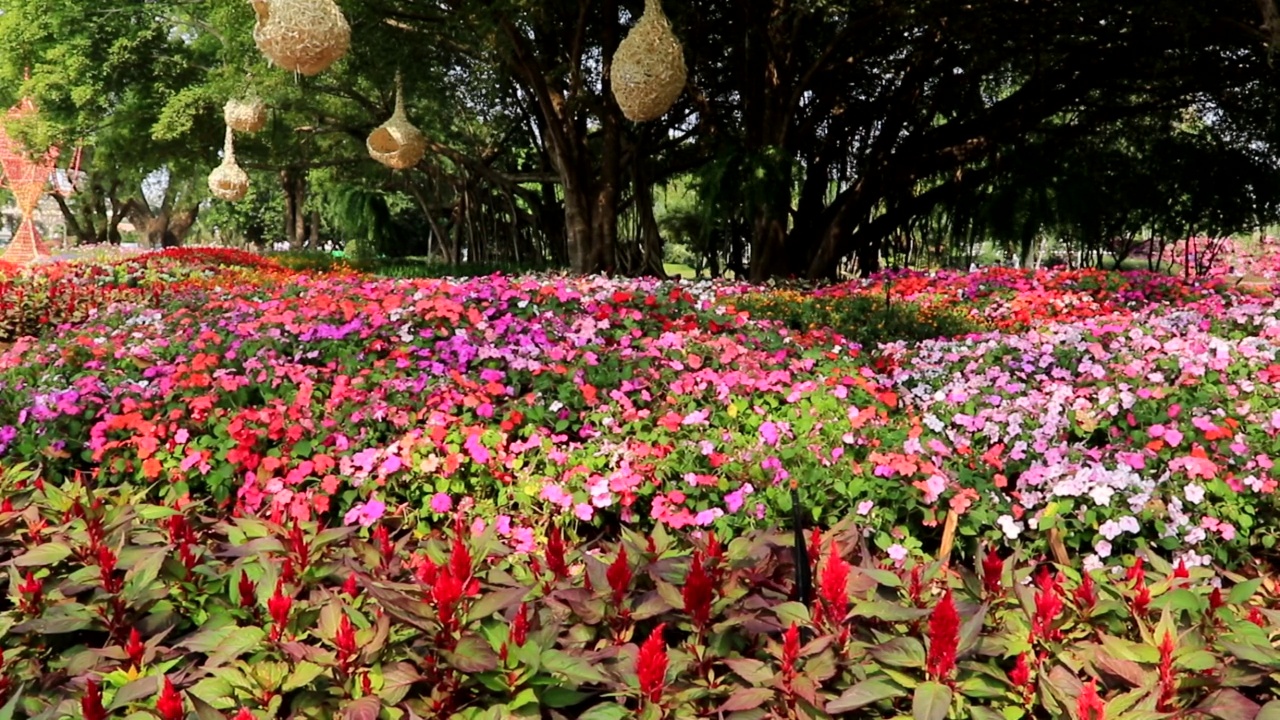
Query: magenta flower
x=441 y=503
x=365 y=513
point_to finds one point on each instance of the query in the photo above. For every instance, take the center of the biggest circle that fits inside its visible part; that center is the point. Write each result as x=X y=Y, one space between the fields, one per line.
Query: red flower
x=91 y=704
x=993 y=573
x=1257 y=618
x=1181 y=572
x=447 y=594
x=944 y=638
x=619 y=577
x=32 y=590
x=279 y=606
x=287 y=571
x=1215 y=600
x=107 y=571
x=298 y=546
x=520 y=626
x=1089 y=706
x=385 y=546
x=134 y=648
x=6 y=506
x=1020 y=675
x=460 y=566
x=1141 y=599
x=1085 y=595
x=350 y=587
x=248 y=590
x=169 y=704
x=1168 y=683
x=1135 y=573
x=1048 y=607
x=698 y=592
x=833 y=585
x=790 y=652
x=651 y=666
x=555 y=553
x=427 y=571
x=244 y=714
x=345 y=640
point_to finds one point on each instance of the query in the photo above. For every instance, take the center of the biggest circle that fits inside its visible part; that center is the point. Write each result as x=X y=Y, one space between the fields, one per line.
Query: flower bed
x=1143 y=416
x=122 y=608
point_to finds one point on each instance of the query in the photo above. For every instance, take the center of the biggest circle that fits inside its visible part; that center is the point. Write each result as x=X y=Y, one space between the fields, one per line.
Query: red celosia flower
x=298 y=546
x=32 y=590
x=833 y=585
x=460 y=560
x=107 y=571
x=91 y=704
x=134 y=648
x=555 y=553
x=1085 y=594
x=1135 y=573
x=1181 y=571
x=351 y=587
x=169 y=704
x=715 y=551
x=1215 y=600
x=279 y=605
x=815 y=547
x=520 y=626
x=651 y=666
x=6 y=506
x=1168 y=683
x=187 y=558
x=1048 y=607
x=697 y=592
x=790 y=653
x=287 y=571
x=1089 y=706
x=1141 y=599
x=619 y=577
x=345 y=640
x=1257 y=618
x=248 y=590
x=446 y=594
x=915 y=585
x=244 y=714
x=385 y=547
x=1020 y=675
x=993 y=572
x=427 y=571
x=944 y=637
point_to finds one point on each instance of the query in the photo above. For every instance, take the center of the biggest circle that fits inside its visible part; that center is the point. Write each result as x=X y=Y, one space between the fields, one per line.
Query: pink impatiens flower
x=365 y=513
x=441 y=503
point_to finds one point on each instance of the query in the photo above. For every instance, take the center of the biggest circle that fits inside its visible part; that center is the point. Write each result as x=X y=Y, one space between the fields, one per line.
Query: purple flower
x=366 y=513
x=441 y=503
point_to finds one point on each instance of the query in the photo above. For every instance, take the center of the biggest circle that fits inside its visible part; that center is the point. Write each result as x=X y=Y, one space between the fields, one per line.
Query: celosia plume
x=698 y=592
x=1089 y=706
x=134 y=648
x=107 y=571
x=520 y=626
x=91 y=703
x=1048 y=606
x=1168 y=683
x=790 y=652
x=993 y=573
x=248 y=590
x=555 y=553
x=833 y=585
x=278 y=606
x=345 y=641
x=651 y=666
x=1020 y=675
x=944 y=638
x=619 y=577
x=169 y=704
x=1085 y=594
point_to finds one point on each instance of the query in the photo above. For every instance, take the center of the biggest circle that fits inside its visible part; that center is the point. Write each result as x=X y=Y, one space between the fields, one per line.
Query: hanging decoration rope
x=246 y=116
x=397 y=143
x=302 y=36
x=648 y=69
x=227 y=181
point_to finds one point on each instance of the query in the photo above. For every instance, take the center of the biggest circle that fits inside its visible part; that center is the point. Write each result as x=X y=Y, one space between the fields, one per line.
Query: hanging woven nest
x=648 y=69
x=302 y=36
x=227 y=181
x=246 y=116
x=397 y=143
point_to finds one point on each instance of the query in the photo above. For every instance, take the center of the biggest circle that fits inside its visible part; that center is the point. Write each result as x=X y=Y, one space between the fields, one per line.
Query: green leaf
x=747 y=699
x=49 y=553
x=1270 y=711
x=365 y=708
x=575 y=670
x=524 y=698
x=561 y=697
x=931 y=702
x=1250 y=652
x=888 y=612
x=971 y=630
x=155 y=512
x=872 y=690
x=1229 y=705
x=753 y=671
x=1181 y=599
x=496 y=602
x=1197 y=661
x=606 y=711
x=900 y=652
x=205 y=711
x=790 y=612
x=144 y=572
x=1241 y=593
x=303 y=675
x=472 y=655
x=143 y=687
x=6 y=712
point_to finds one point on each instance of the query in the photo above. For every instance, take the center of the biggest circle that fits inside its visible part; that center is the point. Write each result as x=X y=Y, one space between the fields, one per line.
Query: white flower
x=1195 y=536
x=1091 y=563
x=1194 y=493
x=1101 y=495
x=1110 y=530
x=1011 y=528
x=1103 y=548
x=865 y=506
x=1129 y=524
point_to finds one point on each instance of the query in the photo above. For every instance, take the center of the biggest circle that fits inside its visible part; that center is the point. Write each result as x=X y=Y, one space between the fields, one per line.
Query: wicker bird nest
x=227 y=181
x=303 y=36
x=397 y=143
x=648 y=69
x=246 y=116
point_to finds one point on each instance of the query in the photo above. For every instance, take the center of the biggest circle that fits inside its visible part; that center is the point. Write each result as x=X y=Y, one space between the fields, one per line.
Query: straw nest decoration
x=302 y=36
x=227 y=181
x=648 y=69
x=397 y=143
x=246 y=116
